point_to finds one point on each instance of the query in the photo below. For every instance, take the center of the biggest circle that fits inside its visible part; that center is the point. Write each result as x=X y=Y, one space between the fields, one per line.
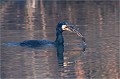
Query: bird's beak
x=75 y=30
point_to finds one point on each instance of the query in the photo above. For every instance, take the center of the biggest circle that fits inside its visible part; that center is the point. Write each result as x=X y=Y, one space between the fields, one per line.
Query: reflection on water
x=24 y=20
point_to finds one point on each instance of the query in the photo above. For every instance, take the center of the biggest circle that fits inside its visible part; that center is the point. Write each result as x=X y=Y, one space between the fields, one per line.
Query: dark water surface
x=98 y=22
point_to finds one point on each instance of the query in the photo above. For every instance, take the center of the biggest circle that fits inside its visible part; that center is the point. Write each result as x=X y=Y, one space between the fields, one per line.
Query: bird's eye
x=66 y=27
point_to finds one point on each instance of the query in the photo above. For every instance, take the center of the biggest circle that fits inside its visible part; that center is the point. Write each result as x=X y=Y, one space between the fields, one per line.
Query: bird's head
x=61 y=26
x=65 y=26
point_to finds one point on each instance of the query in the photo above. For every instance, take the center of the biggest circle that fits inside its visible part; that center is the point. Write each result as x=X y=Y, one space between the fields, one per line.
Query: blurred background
x=98 y=22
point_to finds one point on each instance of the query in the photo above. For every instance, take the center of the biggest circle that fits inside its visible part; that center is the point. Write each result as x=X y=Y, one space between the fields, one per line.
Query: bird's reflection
x=60 y=56
x=60 y=52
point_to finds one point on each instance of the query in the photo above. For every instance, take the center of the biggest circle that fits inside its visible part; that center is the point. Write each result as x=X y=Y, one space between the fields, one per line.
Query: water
x=98 y=22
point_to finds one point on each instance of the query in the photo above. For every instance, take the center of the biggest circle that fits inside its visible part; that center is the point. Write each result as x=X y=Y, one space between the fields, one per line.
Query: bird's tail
x=11 y=44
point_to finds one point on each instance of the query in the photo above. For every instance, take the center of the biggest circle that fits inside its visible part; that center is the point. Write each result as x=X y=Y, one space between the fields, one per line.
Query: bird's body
x=35 y=43
x=39 y=43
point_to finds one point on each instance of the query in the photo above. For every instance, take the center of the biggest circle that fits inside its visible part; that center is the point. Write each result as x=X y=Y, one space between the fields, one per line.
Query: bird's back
x=35 y=43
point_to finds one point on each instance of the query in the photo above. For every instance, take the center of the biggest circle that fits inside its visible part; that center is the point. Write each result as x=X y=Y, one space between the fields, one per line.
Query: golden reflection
x=100 y=20
x=30 y=17
x=3 y=9
x=33 y=65
x=29 y=62
x=34 y=3
x=67 y=64
x=42 y=12
x=70 y=13
x=54 y=10
x=78 y=70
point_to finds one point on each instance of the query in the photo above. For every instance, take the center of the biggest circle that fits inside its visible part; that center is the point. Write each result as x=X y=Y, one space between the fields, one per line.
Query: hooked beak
x=75 y=30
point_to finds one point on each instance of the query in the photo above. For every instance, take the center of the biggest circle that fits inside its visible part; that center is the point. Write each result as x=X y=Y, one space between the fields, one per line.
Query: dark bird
x=61 y=26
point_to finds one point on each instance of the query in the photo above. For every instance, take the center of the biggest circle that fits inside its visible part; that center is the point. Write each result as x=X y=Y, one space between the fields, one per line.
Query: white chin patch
x=64 y=27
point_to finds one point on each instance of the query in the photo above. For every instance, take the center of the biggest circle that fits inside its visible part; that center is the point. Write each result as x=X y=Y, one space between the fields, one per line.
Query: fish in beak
x=71 y=28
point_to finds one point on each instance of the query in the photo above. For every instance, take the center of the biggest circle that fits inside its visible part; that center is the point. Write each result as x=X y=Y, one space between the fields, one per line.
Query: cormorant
x=61 y=26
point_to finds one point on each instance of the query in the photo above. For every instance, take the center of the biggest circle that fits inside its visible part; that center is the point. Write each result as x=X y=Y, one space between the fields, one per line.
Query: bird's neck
x=59 y=38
